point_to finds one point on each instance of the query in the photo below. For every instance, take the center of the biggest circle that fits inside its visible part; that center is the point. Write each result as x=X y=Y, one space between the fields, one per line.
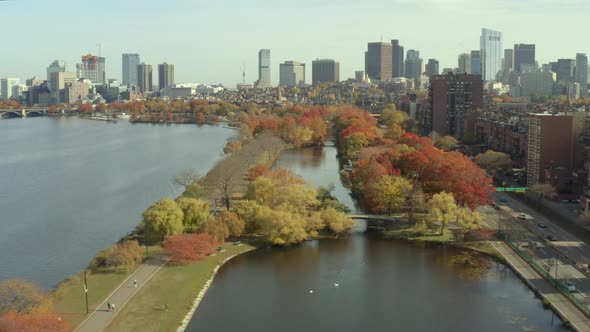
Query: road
x=565 y=256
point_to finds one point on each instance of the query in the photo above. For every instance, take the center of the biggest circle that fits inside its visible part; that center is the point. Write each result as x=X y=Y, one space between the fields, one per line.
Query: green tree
x=282 y=227
x=337 y=222
x=194 y=190
x=390 y=192
x=446 y=143
x=442 y=209
x=352 y=145
x=161 y=219
x=468 y=219
x=195 y=212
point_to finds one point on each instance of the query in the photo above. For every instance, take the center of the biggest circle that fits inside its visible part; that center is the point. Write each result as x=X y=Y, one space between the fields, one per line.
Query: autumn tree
x=389 y=193
x=182 y=249
x=195 y=212
x=194 y=190
x=446 y=143
x=544 y=190
x=442 y=209
x=127 y=253
x=187 y=177
x=283 y=227
x=232 y=146
x=467 y=219
x=22 y=297
x=216 y=229
x=161 y=219
x=48 y=321
x=493 y=162
x=336 y=222
x=327 y=199
x=234 y=224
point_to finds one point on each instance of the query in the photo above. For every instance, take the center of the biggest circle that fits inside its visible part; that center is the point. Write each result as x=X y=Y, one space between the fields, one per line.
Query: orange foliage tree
x=183 y=249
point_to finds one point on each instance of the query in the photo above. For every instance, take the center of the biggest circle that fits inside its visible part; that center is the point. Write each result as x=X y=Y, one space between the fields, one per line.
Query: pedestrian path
x=101 y=317
x=566 y=309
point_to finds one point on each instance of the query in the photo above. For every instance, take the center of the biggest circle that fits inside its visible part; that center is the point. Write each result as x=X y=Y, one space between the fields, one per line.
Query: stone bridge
x=22 y=113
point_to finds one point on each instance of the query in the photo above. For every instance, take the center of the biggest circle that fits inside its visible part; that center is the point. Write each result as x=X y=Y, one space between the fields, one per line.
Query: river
x=364 y=283
x=71 y=187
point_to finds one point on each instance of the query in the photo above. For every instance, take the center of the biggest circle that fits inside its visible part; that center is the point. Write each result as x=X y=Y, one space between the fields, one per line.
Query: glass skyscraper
x=490 y=44
x=130 y=63
x=264 y=68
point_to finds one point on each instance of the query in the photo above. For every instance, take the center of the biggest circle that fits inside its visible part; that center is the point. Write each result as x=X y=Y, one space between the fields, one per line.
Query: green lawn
x=177 y=286
x=69 y=295
x=408 y=233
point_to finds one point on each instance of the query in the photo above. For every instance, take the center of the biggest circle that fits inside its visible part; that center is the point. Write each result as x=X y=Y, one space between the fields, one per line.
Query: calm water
x=382 y=285
x=71 y=187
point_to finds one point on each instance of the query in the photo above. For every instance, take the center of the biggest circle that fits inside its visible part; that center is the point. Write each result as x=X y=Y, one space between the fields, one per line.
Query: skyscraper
x=432 y=67
x=378 y=61
x=490 y=44
x=451 y=97
x=264 y=68
x=565 y=69
x=291 y=73
x=130 y=63
x=582 y=73
x=55 y=67
x=144 y=77
x=464 y=64
x=397 y=54
x=476 y=63
x=92 y=68
x=508 y=64
x=6 y=85
x=524 y=54
x=165 y=75
x=325 y=71
x=413 y=64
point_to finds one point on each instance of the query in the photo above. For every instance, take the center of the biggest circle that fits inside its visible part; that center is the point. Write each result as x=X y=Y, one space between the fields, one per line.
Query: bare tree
x=543 y=190
x=187 y=177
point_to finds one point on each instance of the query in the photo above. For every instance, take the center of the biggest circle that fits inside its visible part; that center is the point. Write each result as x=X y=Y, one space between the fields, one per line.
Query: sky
x=208 y=41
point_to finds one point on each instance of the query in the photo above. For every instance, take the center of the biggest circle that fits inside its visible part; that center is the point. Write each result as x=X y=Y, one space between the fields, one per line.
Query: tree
x=232 y=146
x=493 y=162
x=442 y=209
x=327 y=200
x=194 y=190
x=235 y=225
x=446 y=143
x=337 y=222
x=48 y=321
x=163 y=218
x=182 y=249
x=389 y=193
x=216 y=229
x=187 y=177
x=22 y=297
x=544 y=190
x=282 y=227
x=127 y=253
x=468 y=220
x=195 y=212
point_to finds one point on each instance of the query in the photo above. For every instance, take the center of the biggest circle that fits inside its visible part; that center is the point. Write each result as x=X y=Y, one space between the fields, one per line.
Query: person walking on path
x=113 y=306
x=135 y=283
x=109 y=305
x=166 y=307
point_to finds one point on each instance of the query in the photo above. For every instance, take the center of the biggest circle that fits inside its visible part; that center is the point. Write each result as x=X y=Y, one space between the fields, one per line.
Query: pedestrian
x=166 y=307
x=109 y=305
x=113 y=306
x=135 y=283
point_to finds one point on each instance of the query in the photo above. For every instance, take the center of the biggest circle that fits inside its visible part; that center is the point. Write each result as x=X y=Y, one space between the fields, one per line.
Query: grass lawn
x=69 y=295
x=407 y=233
x=177 y=286
x=483 y=247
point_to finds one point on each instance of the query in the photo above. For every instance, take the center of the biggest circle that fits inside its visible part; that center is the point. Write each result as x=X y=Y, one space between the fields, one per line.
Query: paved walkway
x=578 y=320
x=101 y=318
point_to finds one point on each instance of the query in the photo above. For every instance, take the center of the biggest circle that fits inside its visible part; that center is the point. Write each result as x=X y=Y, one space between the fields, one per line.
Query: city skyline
x=233 y=45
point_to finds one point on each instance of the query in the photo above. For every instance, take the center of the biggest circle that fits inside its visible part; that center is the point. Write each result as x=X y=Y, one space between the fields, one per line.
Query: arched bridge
x=22 y=113
x=373 y=217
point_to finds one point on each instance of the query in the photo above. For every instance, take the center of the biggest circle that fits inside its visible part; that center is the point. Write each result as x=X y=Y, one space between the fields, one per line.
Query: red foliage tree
x=38 y=321
x=182 y=249
x=257 y=171
x=86 y=108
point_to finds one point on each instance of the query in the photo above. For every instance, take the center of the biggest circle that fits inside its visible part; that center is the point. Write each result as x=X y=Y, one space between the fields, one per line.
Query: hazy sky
x=209 y=40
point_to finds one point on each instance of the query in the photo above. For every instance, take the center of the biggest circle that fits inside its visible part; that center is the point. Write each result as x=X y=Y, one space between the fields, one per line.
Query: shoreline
x=190 y=314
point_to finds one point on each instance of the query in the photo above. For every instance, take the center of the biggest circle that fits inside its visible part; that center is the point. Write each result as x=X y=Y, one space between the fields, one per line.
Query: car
x=570 y=286
x=551 y=238
x=522 y=215
x=542 y=225
x=503 y=200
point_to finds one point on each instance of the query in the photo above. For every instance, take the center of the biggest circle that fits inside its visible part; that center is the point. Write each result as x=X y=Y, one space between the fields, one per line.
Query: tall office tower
x=432 y=67
x=55 y=67
x=524 y=54
x=582 y=73
x=451 y=97
x=476 y=63
x=565 y=69
x=6 y=85
x=130 y=63
x=263 y=68
x=464 y=64
x=102 y=70
x=413 y=64
x=490 y=44
x=144 y=77
x=378 y=61
x=165 y=75
x=508 y=62
x=92 y=68
x=397 y=55
x=550 y=144
x=59 y=80
x=291 y=73
x=325 y=71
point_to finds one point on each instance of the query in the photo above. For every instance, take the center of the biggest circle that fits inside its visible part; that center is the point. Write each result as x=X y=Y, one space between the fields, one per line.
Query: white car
x=570 y=286
x=522 y=215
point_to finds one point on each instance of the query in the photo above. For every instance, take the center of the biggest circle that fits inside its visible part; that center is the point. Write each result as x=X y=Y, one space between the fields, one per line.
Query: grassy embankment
x=69 y=294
